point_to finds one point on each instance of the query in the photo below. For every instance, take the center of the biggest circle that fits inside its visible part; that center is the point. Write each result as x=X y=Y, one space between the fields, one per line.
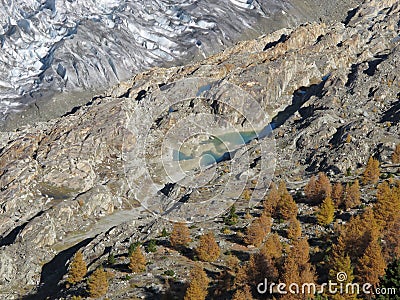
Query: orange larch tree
x=180 y=235
x=243 y=294
x=310 y=189
x=257 y=230
x=137 y=261
x=198 y=286
x=326 y=213
x=317 y=190
x=77 y=269
x=208 y=249
x=371 y=172
x=339 y=262
x=97 y=283
x=337 y=194
x=371 y=265
x=352 y=195
x=297 y=268
x=323 y=186
x=294 y=229
x=271 y=201
x=387 y=207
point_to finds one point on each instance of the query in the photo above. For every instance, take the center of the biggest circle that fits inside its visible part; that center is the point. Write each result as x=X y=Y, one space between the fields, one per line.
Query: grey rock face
x=66 y=184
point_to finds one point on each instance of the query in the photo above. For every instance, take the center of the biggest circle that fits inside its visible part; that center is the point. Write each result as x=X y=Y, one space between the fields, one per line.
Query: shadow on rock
x=53 y=271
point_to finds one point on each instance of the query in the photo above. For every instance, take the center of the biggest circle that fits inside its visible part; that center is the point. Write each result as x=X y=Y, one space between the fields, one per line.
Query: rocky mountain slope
x=50 y=47
x=330 y=92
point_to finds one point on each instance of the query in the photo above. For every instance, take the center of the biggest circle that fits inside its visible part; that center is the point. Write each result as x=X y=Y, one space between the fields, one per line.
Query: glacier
x=50 y=46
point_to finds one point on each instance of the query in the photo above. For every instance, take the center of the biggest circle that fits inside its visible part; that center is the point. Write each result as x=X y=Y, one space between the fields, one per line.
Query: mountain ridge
x=64 y=182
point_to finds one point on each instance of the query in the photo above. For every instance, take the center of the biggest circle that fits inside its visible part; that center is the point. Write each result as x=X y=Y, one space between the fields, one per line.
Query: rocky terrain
x=57 y=53
x=329 y=91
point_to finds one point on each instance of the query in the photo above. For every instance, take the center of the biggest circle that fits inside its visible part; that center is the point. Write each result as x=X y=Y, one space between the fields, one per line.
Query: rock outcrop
x=330 y=91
